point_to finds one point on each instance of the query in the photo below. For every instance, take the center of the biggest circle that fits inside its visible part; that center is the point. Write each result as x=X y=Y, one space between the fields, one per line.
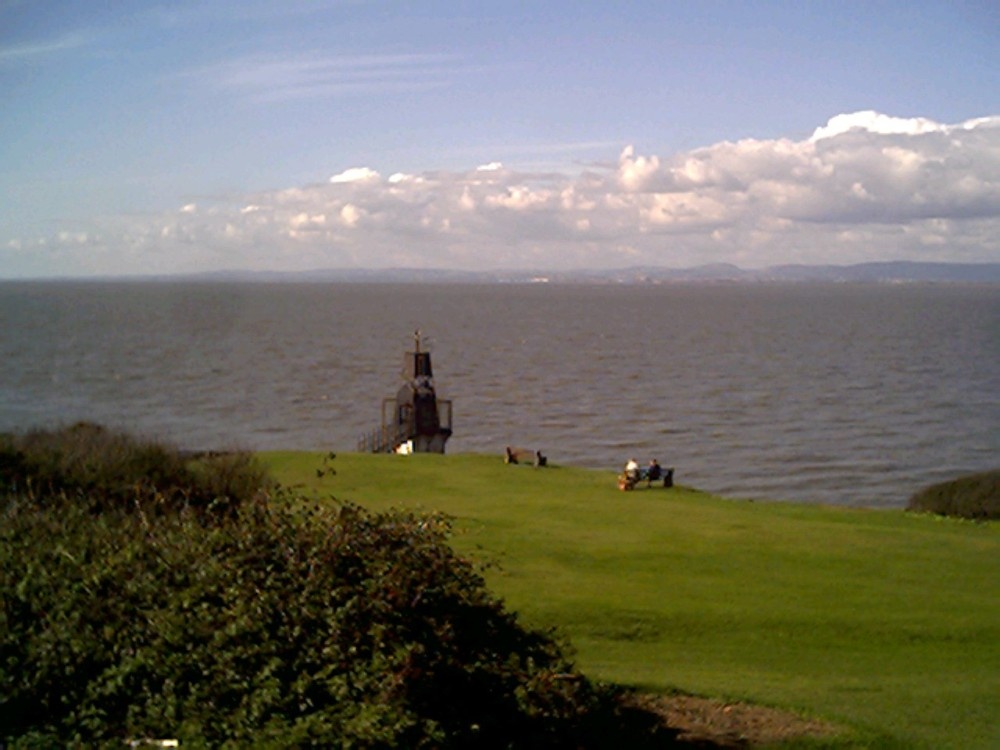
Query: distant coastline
x=893 y=272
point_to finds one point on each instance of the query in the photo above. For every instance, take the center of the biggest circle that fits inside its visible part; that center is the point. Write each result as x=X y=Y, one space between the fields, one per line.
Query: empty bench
x=524 y=456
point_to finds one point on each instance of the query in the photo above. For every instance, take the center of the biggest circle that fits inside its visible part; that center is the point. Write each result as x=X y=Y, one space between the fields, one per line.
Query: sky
x=181 y=137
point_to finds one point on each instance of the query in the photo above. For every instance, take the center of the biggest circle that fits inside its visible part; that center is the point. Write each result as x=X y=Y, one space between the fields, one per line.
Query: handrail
x=388 y=437
x=382 y=439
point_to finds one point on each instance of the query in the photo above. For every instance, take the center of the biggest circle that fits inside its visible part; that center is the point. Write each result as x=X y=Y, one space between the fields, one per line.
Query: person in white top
x=632 y=470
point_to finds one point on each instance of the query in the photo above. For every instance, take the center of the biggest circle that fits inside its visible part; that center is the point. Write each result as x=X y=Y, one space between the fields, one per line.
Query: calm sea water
x=855 y=395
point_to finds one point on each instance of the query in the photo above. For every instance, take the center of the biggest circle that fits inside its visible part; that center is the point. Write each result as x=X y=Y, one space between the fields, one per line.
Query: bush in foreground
x=277 y=624
x=107 y=469
x=976 y=497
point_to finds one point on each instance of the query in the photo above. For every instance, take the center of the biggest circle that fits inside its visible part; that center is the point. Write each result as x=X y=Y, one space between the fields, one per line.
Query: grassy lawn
x=885 y=621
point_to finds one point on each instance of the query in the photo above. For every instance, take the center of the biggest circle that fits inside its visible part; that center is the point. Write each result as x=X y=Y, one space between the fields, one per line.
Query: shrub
x=281 y=624
x=976 y=497
x=108 y=467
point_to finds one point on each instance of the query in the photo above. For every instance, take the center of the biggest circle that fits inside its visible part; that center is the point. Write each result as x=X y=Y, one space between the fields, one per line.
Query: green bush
x=277 y=627
x=280 y=623
x=106 y=467
x=975 y=497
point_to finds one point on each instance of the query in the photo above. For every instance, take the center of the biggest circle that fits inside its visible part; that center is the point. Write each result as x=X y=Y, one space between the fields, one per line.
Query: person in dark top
x=653 y=472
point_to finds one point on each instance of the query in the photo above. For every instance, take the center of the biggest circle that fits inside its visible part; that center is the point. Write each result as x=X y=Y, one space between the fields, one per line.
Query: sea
x=843 y=394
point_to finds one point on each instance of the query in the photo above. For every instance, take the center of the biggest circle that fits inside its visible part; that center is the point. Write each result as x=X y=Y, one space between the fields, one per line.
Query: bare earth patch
x=706 y=723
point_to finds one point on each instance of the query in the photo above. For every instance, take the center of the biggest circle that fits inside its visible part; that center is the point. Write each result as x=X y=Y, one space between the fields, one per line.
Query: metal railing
x=388 y=437
x=383 y=439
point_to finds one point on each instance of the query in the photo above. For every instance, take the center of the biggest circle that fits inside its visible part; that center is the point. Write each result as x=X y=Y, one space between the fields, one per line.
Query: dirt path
x=705 y=723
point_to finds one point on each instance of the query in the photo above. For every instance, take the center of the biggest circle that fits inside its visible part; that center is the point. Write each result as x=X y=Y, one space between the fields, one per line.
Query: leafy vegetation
x=108 y=469
x=976 y=497
x=276 y=623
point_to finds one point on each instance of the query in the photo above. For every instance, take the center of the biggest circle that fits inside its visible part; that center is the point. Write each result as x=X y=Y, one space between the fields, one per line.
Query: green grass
x=887 y=622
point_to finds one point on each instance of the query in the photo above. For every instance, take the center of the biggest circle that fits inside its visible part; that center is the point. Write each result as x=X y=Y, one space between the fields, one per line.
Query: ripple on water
x=849 y=394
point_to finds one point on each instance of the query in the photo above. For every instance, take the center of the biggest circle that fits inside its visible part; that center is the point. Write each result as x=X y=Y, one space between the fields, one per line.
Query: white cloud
x=72 y=238
x=864 y=187
x=355 y=174
x=873 y=122
x=350 y=215
x=520 y=198
x=304 y=221
x=635 y=171
x=399 y=177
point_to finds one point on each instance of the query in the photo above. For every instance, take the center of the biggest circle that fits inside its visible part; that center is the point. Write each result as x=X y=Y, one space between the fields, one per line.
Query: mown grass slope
x=886 y=621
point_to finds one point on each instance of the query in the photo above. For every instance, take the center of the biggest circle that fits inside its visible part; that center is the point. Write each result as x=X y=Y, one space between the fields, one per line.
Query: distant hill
x=893 y=272
x=896 y=272
x=901 y=271
x=890 y=272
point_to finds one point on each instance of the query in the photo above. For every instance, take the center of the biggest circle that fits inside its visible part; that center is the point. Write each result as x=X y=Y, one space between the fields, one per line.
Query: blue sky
x=140 y=137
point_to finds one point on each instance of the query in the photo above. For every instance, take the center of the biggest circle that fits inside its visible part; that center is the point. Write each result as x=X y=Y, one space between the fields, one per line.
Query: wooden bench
x=626 y=482
x=524 y=456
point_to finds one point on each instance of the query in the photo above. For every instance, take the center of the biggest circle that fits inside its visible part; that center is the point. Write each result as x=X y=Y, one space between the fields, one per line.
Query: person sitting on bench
x=632 y=471
x=653 y=472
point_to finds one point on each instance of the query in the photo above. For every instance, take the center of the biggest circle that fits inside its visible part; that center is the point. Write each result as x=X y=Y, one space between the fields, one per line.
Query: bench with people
x=633 y=475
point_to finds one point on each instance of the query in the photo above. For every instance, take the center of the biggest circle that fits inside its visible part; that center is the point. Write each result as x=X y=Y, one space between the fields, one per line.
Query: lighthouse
x=415 y=420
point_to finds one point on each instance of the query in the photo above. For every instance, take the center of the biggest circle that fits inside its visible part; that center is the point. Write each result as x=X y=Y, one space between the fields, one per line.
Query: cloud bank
x=863 y=187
